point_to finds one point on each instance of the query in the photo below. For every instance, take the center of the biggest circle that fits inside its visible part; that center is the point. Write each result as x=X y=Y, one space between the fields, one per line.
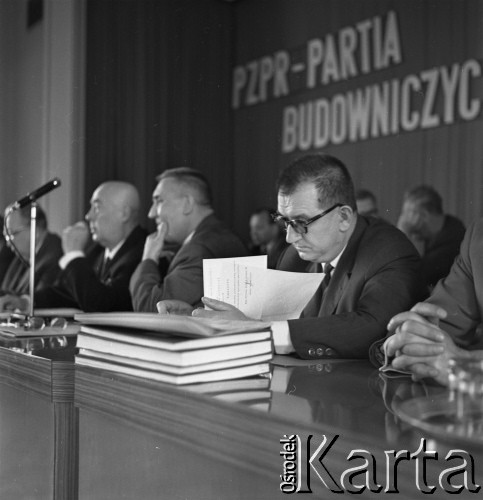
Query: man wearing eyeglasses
x=48 y=252
x=371 y=269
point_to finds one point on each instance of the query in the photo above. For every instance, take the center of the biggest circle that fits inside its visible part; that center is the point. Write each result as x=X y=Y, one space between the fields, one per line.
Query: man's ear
x=346 y=215
x=126 y=212
x=189 y=204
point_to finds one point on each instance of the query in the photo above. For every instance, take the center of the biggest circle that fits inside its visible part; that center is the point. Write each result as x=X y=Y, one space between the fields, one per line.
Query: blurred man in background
x=437 y=236
x=267 y=236
x=48 y=252
x=366 y=203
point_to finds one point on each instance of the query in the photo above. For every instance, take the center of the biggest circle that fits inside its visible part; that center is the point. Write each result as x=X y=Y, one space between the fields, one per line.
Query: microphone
x=37 y=193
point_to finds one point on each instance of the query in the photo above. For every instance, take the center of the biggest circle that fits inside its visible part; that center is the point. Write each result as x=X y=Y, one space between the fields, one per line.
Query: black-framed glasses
x=301 y=226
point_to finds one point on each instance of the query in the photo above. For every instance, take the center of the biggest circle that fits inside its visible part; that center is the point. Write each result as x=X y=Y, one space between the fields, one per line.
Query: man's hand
x=75 y=237
x=417 y=331
x=219 y=310
x=176 y=307
x=155 y=243
x=419 y=345
x=12 y=303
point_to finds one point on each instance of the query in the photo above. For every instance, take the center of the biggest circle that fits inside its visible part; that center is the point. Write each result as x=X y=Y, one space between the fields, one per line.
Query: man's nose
x=292 y=236
x=152 y=212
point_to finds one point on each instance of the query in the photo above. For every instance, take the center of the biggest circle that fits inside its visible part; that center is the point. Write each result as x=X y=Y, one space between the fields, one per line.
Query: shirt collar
x=188 y=238
x=335 y=261
x=110 y=254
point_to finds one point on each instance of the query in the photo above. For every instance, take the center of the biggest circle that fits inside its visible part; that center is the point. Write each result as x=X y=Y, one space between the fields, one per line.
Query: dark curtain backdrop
x=157 y=88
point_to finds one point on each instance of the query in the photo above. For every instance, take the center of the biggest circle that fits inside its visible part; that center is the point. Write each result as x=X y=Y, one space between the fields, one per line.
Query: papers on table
x=258 y=292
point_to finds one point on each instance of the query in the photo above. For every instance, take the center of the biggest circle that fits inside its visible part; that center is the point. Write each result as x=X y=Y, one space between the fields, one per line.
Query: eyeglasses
x=301 y=226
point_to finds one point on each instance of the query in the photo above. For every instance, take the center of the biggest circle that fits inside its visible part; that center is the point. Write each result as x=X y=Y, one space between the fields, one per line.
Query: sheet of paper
x=229 y=281
x=258 y=292
x=286 y=294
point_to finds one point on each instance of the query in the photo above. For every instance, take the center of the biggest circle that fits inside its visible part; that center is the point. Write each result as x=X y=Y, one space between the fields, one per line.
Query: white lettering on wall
x=421 y=101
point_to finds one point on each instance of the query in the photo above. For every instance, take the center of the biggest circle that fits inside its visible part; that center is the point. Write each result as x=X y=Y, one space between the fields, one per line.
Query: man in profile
x=96 y=279
x=48 y=252
x=370 y=268
x=182 y=209
x=267 y=236
x=436 y=235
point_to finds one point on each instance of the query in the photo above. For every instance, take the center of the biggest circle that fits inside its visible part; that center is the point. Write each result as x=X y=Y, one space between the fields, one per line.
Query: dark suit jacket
x=461 y=292
x=6 y=256
x=81 y=284
x=16 y=279
x=378 y=276
x=184 y=277
x=440 y=252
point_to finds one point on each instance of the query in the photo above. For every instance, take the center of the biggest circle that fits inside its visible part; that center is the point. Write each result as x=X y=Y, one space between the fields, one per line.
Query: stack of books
x=174 y=349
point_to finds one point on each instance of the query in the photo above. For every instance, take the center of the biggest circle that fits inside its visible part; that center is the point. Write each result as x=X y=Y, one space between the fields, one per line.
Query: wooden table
x=38 y=440
x=133 y=439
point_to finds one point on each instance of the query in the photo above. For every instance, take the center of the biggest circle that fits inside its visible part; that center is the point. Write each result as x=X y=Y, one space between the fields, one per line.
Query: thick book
x=186 y=326
x=192 y=378
x=176 y=370
x=173 y=350
x=168 y=341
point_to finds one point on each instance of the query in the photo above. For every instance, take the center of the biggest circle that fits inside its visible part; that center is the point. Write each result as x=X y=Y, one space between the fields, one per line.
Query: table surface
x=140 y=439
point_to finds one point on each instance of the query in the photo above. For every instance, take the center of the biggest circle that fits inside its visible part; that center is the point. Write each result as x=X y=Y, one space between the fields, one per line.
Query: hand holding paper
x=218 y=309
x=258 y=292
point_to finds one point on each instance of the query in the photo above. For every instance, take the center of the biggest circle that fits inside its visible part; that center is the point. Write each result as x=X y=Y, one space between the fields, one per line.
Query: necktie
x=314 y=305
x=106 y=263
x=327 y=270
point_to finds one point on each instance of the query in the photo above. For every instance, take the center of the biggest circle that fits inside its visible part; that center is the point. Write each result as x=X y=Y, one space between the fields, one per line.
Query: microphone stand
x=33 y=234
x=32 y=323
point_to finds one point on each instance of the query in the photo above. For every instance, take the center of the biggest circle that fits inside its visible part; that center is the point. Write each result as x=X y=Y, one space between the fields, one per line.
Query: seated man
x=6 y=255
x=266 y=236
x=184 y=216
x=448 y=324
x=366 y=203
x=436 y=235
x=47 y=255
x=98 y=279
x=370 y=267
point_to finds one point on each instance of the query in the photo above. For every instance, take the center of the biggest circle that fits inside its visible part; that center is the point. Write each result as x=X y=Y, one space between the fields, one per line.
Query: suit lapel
x=326 y=304
x=314 y=304
x=104 y=273
x=342 y=273
x=334 y=292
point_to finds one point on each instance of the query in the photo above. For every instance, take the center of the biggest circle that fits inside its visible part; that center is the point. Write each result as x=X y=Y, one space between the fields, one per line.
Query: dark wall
x=157 y=88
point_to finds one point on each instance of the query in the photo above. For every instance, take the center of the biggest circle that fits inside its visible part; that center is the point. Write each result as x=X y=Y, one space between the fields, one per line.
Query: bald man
x=97 y=279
